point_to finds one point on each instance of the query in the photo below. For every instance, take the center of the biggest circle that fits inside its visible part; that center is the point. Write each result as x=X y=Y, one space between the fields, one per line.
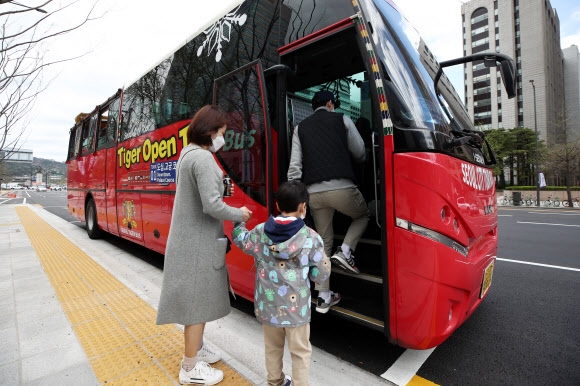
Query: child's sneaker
x=201 y=374
x=323 y=306
x=205 y=354
x=344 y=262
x=287 y=380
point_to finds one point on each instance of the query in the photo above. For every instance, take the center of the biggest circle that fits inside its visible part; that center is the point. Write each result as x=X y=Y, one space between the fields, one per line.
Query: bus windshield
x=409 y=67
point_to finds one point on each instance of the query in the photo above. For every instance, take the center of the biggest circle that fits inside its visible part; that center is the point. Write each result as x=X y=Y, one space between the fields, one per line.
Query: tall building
x=529 y=32
x=572 y=91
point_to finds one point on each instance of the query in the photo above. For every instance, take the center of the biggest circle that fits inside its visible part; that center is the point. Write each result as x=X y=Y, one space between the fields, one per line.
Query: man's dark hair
x=290 y=194
x=321 y=98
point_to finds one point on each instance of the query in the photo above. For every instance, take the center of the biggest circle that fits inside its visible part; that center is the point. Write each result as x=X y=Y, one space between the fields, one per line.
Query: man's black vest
x=324 y=142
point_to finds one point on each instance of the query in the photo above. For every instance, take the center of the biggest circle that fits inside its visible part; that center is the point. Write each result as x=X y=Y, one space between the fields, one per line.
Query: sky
x=131 y=36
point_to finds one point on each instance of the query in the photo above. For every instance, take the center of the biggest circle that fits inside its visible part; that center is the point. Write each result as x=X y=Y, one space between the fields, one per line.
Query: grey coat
x=195 y=283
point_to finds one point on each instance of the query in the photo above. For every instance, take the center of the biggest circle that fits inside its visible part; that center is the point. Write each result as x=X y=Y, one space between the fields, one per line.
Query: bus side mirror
x=507 y=69
x=508 y=76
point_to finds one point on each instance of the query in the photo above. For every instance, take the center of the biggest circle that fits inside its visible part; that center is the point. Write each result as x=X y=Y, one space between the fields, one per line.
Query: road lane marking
x=406 y=367
x=547 y=223
x=539 y=265
x=559 y=214
x=569 y=210
x=505 y=215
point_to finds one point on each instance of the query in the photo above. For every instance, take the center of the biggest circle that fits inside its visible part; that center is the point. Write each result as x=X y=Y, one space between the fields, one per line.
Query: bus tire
x=93 y=229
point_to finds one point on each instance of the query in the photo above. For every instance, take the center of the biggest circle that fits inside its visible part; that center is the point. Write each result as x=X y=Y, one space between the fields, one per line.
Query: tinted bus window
x=74 y=142
x=304 y=17
x=109 y=117
x=139 y=108
x=244 y=154
x=89 y=126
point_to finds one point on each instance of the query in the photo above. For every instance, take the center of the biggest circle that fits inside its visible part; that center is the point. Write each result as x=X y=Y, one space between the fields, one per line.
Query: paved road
x=527 y=331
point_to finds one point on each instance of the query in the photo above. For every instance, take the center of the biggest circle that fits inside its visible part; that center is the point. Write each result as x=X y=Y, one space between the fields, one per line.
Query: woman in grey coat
x=195 y=282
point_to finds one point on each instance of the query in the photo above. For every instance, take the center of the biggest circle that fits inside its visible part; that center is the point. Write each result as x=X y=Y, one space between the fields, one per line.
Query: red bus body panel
x=435 y=287
x=429 y=288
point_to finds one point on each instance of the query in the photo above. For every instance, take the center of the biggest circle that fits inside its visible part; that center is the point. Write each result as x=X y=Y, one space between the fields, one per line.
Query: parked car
x=41 y=188
x=55 y=187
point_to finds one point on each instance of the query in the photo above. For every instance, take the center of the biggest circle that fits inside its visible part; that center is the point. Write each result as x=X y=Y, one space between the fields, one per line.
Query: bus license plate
x=486 y=279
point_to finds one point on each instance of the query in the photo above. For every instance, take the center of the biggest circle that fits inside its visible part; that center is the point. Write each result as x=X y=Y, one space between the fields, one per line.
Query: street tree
x=563 y=158
x=26 y=32
x=515 y=152
x=500 y=142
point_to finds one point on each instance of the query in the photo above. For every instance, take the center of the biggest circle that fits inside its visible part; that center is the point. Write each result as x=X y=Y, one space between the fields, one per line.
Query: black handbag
x=229 y=245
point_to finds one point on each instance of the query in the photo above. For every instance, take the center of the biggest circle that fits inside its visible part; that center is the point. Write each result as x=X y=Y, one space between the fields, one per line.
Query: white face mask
x=217 y=143
x=303 y=215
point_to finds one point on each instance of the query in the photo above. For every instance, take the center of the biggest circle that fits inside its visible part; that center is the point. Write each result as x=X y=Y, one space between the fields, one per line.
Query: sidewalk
x=75 y=311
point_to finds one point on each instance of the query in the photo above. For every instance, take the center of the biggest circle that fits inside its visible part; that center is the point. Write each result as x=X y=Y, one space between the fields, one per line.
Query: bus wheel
x=91 y=217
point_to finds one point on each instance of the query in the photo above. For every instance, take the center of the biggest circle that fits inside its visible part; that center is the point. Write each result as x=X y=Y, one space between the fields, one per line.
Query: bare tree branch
x=22 y=65
x=22 y=11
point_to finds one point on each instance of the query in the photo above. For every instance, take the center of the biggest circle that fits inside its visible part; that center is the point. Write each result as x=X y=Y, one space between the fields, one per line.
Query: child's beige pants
x=300 y=350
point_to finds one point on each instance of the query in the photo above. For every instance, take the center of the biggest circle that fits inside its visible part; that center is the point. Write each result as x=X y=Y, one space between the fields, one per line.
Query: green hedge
x=557 y=188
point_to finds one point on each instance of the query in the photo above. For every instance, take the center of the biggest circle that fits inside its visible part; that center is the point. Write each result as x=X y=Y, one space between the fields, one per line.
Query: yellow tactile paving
x=418 y=381
x=115 y=326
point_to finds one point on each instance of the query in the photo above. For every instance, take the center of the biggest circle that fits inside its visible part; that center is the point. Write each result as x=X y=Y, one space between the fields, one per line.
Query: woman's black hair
x=291 y=194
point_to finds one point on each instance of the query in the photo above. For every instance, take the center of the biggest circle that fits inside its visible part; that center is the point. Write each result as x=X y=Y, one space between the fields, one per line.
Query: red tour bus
x=428 y=254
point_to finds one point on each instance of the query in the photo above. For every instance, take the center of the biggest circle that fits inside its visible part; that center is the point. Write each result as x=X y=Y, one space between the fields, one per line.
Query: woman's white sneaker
x=201 y=374
x=205 y=354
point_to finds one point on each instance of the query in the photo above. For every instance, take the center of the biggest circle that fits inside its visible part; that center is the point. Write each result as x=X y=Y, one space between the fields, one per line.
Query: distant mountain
x=20 y=169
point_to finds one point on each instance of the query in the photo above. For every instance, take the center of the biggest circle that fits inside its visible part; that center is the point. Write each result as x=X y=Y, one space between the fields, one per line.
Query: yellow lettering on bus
x=154 y=152
x=128 y=159
x=162 y=149
x=171 y=147
x=147 y=150
x=134 y=155
x=120 y=152
x=183 y=135
x=151 y=151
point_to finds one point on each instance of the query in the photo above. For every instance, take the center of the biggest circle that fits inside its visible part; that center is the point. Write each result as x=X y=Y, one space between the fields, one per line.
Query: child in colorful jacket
x=289 y=255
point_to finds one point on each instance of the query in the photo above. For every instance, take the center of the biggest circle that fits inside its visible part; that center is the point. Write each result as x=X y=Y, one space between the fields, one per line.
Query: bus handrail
x=375 y=177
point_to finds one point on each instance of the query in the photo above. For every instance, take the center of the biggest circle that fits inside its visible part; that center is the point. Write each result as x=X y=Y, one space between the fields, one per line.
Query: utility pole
x=537 y=152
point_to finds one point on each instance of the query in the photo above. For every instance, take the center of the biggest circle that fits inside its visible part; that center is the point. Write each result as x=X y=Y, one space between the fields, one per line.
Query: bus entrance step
x=358 y=297
x=361 y=276
x=354 y=316
x=358 y=318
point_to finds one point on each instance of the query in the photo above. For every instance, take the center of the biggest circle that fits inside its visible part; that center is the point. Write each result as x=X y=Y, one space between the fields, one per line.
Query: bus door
x=92 y=174
x=247 y=157
x=73 y=172
x=107 y=151
x=335 y=59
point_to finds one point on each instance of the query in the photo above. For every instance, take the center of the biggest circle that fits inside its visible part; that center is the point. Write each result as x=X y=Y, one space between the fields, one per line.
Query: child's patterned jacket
x=289 y=255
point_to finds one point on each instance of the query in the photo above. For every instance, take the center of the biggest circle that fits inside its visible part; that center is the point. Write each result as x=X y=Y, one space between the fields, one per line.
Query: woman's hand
x=246 y=214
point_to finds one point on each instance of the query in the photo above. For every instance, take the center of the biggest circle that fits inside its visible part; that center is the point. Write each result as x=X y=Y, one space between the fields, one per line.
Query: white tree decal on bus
x=221 y=31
